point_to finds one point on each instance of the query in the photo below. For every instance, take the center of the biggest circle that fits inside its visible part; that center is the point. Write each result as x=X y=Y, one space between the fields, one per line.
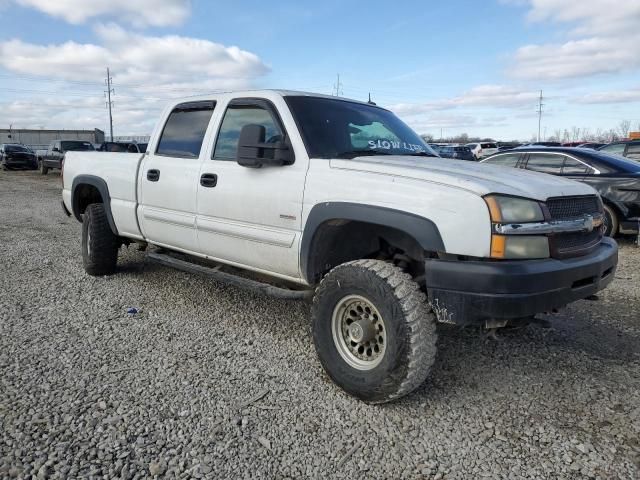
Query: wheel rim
x=359 y=332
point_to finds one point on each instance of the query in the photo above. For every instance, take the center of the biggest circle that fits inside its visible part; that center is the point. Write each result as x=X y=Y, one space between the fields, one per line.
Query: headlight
x=519 y=247
x=513 y=210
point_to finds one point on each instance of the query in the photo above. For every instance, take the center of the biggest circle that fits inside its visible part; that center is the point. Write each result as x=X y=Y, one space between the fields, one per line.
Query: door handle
x=153 y=175
x=209 y=180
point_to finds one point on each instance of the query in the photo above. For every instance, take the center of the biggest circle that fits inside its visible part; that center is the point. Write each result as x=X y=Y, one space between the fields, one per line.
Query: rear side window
x=545 y=162
x=184 y=131
x=236 y=117
x=574 y=167
x=506 y=160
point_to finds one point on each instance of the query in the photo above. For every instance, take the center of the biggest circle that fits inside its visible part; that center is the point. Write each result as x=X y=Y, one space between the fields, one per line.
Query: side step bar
x=229 y=278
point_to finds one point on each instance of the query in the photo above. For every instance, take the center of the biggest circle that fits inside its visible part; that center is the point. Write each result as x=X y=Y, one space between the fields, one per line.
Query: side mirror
x=253 y=152
x=55 y=149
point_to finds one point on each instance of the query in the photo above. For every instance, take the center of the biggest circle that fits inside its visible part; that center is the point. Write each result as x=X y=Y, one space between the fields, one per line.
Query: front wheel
x=610 y=222
x=99 y=244
x=373 y=330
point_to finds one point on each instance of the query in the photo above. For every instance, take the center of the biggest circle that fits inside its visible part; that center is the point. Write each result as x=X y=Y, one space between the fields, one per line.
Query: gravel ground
x=210 y=381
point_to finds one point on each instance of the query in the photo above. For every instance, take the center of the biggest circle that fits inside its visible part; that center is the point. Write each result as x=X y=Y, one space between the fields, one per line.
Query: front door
x=169 y=178
x=251 y=216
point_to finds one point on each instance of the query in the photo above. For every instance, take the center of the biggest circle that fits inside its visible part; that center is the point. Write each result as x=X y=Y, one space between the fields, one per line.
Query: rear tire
x=392 y=357
x=611 y=222
x=99 y=244
x=43 y=170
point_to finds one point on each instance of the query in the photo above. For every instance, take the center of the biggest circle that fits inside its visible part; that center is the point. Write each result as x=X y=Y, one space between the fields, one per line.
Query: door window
x=506 y=160
x=633 y=151
x=574 y=167
x=545 y=162
x=236 y=117
x=184 y=131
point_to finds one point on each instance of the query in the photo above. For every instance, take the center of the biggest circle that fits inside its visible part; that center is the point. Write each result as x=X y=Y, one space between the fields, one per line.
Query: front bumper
x=464 y=292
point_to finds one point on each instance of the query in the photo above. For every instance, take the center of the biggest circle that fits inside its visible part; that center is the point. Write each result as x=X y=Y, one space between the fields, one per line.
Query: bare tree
x=623 y=128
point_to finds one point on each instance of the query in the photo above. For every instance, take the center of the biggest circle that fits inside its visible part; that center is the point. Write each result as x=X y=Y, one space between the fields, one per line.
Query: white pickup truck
x=341 y=200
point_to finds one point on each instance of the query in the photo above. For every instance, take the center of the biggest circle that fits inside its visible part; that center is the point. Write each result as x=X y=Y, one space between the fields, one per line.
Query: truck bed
x=120 y=171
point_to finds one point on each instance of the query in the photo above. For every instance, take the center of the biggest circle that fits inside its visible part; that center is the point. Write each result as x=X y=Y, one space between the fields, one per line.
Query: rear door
x=169 y=178
x=252 y=216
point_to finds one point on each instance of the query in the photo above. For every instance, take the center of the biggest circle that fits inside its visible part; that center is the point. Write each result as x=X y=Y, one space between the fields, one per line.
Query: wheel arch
x=87 y=189
x=406 y=230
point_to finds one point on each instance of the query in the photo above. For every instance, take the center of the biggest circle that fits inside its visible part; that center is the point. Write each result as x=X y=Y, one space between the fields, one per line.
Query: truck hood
x=480 y=178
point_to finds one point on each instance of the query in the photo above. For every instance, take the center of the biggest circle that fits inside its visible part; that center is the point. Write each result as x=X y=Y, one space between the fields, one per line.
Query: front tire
x=373 y=330
x=99 y=244
x=611 y=222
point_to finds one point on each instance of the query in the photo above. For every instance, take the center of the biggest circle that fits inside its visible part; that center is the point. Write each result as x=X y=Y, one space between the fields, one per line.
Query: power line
x=109 y=91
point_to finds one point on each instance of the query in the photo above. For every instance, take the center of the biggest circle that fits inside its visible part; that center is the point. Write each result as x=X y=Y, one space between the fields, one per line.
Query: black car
x=55 y=153
x=629 y=149
x=457 y=152
x=123 y=147
x=13 y=155
x=616 y=179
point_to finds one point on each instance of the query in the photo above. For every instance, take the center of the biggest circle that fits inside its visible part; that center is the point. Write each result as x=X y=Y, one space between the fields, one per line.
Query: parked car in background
x=482 y=149
x=123 y=147
x=629 y=149
x=507 y=146
x=617 y=180
x=592 y=145
x=54 y=155
x=14 y=155
x=459 y=152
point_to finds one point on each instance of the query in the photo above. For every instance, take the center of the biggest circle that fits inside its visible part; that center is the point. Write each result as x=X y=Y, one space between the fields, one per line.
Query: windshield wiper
x=360 y=153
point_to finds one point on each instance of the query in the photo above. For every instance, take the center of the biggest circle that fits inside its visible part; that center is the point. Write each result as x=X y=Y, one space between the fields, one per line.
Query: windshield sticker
x=381 y=144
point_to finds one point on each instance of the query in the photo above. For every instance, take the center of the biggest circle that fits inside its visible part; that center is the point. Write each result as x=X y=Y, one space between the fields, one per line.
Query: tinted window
x=633 y=151
x=614 y=148
x=488 y=145
x=545 y=162
x=236 y=117
x=574 y=167
x=506 y=160
x=336 y=128
x=69 y=146
x=184 y=131
x=15 y=148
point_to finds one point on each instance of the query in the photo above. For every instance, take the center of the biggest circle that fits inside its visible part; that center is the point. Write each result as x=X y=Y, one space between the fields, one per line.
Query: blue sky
x=460 y=66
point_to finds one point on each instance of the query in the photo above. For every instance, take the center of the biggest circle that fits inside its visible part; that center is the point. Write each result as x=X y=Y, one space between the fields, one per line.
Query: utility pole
x=109 y=103
x=540 y=105
x=338 y=87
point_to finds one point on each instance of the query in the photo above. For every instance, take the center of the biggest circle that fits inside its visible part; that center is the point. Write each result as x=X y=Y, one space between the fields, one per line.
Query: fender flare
x=102 y=188
x=422 y=229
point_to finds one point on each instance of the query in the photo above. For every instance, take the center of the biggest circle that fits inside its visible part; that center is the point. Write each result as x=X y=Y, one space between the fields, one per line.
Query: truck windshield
x=333 y=128
x=70 y=146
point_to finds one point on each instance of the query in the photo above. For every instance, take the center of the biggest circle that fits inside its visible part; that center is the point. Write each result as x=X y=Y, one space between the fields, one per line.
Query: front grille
x=578 y=243
x=562 y=208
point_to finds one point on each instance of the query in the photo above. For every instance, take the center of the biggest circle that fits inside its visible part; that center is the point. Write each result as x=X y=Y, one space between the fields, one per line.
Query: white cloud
x=147 y=71
x=134 y=12
x=603 y=37
x=482 y=96
x=618 y=96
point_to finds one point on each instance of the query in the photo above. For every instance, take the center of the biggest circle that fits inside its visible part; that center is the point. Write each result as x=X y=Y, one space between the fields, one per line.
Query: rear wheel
x=99 y=244
x=43 y=170
x=611 y=222
x=373 y=330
